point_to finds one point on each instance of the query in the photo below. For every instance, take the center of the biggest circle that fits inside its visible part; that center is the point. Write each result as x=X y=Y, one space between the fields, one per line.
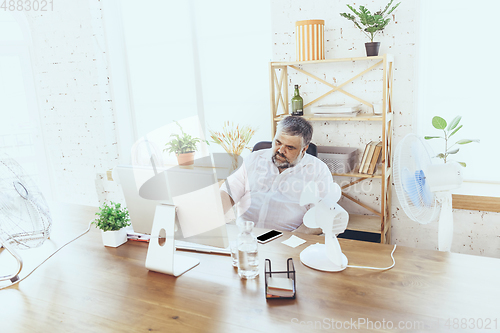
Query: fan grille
x=25 y=221
x=410 y=161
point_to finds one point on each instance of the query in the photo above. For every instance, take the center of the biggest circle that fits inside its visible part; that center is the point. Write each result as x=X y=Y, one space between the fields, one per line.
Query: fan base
x=314 y=256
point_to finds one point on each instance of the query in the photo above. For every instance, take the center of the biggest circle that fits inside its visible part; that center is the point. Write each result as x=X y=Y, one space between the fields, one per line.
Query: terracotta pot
x=186 y=158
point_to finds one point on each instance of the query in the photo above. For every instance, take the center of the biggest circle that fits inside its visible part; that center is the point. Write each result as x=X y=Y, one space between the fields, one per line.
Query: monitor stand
x=163 y=258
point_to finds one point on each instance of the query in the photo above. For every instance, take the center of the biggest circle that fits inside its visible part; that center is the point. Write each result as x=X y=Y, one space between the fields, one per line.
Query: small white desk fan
x=424 y=188
x=332 y=219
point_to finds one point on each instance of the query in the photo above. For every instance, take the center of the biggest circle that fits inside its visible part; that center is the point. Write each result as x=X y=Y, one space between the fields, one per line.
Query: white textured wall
x=70 y=72
x=78 y=118
x=475 y=232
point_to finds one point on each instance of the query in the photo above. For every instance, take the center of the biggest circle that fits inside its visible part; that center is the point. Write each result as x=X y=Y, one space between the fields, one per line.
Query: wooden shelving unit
x=379 y=221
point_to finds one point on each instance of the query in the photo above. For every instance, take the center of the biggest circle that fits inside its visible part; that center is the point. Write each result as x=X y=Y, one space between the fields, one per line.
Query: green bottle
x=297 y=103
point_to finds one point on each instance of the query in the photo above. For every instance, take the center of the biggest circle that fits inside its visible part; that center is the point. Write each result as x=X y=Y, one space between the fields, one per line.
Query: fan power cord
x=34 y=269
x=378 y=268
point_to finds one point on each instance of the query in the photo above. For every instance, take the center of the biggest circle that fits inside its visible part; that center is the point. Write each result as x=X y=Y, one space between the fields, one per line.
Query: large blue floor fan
x=424 y=188
x=25 y=221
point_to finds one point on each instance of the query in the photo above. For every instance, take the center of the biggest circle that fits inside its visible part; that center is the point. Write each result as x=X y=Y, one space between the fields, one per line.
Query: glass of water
x=233 y=246
x=248 y=256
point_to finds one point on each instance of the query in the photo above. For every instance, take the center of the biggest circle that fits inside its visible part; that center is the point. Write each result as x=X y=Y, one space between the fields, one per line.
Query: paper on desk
x=294 y=241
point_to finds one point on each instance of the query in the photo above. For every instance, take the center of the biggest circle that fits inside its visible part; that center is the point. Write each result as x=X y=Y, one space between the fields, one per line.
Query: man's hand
x=309 y=231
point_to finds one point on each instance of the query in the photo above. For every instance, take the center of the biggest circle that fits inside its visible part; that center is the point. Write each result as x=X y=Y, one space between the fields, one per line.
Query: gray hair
x=296 y=126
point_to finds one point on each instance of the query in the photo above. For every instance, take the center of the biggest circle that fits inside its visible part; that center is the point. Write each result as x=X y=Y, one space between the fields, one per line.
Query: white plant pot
x=114 y=238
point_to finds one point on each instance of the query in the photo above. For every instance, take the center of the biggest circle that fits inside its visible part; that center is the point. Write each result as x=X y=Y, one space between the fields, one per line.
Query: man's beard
x=286 y=164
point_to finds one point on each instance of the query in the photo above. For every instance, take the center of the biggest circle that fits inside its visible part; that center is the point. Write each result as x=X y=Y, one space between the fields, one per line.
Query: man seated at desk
x=267 y=187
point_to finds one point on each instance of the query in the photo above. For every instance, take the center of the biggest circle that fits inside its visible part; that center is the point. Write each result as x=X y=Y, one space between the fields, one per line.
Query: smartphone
x=269 y=236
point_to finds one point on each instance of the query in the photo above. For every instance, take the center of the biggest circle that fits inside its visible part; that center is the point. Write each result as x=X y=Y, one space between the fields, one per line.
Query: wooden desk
x=89 y=288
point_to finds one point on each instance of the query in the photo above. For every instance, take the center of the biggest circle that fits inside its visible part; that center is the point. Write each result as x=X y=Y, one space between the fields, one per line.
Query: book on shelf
x=375 y=158
x=363 y=159
x=369 y=156
x=334 y=109
x=280 y=287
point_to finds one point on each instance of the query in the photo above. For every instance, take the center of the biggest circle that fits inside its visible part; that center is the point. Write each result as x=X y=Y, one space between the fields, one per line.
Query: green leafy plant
x=183 y=143
x=112 y=217
x=372 y=24
x=448 y=131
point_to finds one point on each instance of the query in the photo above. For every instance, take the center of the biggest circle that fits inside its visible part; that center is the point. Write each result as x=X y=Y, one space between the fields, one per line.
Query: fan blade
x=309 y=218
x=417 y=188
x=334 y=194
x=423 y=188
x=411 y=186
x=445 y=229
x=310 y=194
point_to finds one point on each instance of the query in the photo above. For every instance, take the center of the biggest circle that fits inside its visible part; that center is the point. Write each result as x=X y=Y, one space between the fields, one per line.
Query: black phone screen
x=268 y=235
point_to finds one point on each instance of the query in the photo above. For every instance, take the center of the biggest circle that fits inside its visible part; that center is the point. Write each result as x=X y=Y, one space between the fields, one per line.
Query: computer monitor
x=178 y=196
x=142 y=211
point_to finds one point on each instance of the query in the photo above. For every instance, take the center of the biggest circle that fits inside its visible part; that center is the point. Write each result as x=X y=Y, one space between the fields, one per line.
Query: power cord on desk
x=378 y=268
x=34 y=269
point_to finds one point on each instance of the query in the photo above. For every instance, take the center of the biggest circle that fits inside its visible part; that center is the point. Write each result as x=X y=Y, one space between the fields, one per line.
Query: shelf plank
x=366 y=223
x=353 y=173
x=361 y=117
x=288 y=63
x=357 y=175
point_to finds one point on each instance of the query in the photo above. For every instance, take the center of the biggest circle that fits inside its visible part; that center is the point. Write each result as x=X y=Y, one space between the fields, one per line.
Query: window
x=188 y=58
x=20 y=135
x=458 y=75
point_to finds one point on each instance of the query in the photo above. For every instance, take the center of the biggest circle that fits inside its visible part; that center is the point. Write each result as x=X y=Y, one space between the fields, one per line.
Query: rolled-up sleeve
x=236 y=185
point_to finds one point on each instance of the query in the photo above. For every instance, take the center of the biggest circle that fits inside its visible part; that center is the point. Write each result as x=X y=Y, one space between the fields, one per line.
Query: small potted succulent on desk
x=184 y=147
x=372 y=24
x=112 y=221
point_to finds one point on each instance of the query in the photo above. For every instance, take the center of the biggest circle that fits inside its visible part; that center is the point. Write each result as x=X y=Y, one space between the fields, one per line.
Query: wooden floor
x=90 y=288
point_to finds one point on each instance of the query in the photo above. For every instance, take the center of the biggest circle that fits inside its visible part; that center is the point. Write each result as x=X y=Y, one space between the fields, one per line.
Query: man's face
x=287 y=150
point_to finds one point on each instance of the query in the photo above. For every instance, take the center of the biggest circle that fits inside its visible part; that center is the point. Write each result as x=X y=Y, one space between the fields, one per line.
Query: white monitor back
x=141 y=210
x=194 y=192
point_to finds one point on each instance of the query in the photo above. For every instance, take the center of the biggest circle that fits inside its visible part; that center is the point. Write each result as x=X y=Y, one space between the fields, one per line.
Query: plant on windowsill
x=184 y=147
x=112 y=221
x=372 y=24
x=448 y=131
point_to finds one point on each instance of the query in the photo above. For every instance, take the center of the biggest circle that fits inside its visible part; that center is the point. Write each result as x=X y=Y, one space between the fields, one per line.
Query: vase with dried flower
x=234 y=140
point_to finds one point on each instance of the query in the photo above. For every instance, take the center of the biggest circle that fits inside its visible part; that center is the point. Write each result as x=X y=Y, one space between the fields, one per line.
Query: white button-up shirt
x=271 y=199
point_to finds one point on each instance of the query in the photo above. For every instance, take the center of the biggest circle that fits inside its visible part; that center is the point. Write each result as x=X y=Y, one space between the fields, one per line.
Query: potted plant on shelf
x=372 y=24
x=184 y=147
x=112 y=221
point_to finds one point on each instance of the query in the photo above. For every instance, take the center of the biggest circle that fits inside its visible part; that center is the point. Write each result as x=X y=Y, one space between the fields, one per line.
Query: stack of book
x=336 y=110
x=280 y=287
x=371 y=157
